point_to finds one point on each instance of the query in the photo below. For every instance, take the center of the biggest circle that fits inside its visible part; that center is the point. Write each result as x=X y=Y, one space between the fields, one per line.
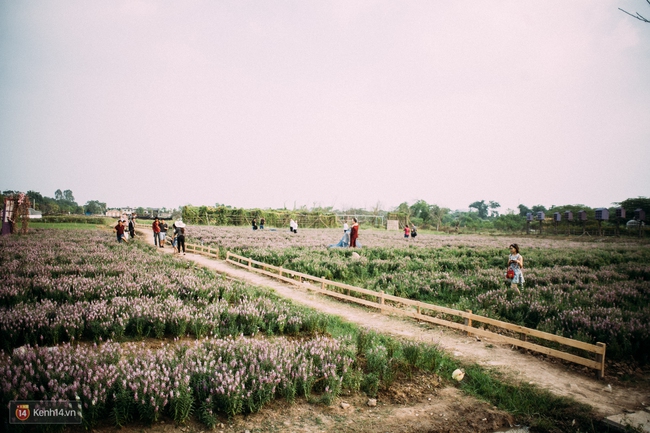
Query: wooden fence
x=202 y=249
x=416 y=309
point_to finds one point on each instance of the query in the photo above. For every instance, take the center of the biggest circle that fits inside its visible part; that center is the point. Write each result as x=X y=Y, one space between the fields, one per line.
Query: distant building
x=35 y=214
x=114 y=213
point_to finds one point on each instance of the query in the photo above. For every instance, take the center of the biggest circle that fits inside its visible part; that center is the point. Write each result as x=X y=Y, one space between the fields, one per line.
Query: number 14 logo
x=22 y=412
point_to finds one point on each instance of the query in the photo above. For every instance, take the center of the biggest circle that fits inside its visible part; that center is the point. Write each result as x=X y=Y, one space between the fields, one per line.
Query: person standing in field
x=156 y=232
x=354 y=233
x=262 y=221
x=132 y=226
x=414 y=231
x=163 y=232
x=514 y=272
x=254 y=224
x=119 y=229
x=174 y=231
x=180 y=236
x=407 y=232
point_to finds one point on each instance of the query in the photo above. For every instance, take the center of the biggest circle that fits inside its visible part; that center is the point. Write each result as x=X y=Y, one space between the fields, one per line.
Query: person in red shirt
x=156 y=232
x=407 y=232
x=119 y=229
x=354 y=233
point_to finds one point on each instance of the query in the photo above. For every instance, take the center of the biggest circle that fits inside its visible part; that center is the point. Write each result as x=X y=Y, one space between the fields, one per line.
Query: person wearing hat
x=179 y=235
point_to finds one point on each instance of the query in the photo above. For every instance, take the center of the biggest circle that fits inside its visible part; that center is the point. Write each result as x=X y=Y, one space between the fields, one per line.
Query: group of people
x=123 y=225
x=411 y=231
x=160 y=228
x=350 y=237
x=254 y=223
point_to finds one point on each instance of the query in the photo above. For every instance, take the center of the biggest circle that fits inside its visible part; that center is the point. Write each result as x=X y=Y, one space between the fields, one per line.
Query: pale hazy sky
x=331 y=103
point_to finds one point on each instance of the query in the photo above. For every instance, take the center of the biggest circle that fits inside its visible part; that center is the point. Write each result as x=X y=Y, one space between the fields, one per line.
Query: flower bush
x=207 y=377
x=58 y=286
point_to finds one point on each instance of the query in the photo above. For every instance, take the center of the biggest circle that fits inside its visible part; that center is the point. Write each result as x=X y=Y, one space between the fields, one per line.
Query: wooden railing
x=416 y=309
x=202 y=249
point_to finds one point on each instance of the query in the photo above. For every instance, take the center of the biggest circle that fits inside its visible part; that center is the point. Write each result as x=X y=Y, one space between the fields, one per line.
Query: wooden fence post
x=250 y=263
x=601 y=358
x=381 y=300
x=322 y=283
x=468 y=321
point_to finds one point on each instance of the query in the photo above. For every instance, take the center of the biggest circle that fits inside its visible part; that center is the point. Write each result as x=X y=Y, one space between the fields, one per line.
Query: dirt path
x=547 y=373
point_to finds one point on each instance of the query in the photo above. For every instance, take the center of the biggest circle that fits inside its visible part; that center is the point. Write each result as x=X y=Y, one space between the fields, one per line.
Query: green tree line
x=485 y=215
x=228 y=216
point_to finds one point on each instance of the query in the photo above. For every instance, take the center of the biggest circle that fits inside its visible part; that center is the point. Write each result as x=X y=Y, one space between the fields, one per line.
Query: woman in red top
x=354 y=233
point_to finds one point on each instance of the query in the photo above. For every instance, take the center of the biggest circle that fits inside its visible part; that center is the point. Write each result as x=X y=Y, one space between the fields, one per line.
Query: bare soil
x=425 y=403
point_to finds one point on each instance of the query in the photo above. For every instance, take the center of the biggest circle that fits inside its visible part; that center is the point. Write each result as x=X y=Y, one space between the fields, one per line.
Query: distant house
x=35 y=214
x=114 y=213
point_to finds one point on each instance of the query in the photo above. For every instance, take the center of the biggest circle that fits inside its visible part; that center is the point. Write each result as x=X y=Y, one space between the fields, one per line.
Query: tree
x=523 y=210
x=58 y=195
x=481 y=208
x=421 y=209
x=632 y=204
x=437 y=213
x=67 y=196
x=403 y=208
x=95 y=207
x=35 y=197
x=509 y=223
x=493 y=209
x=539 y=208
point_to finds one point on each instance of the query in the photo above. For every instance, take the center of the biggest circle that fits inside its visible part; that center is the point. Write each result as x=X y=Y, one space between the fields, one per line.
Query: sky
x=363 y=103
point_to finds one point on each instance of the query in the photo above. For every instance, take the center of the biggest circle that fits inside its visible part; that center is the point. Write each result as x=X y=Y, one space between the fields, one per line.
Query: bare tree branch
x=638 y=16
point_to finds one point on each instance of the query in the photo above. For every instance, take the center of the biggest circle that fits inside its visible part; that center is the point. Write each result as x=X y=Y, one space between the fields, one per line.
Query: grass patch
x=380 y=359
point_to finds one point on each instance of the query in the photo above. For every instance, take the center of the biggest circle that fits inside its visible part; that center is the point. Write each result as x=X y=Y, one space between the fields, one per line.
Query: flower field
x=86 y=287
x=583 y=289
x=225 y=348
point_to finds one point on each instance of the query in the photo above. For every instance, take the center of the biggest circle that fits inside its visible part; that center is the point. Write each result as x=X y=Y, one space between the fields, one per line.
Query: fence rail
x=415 y=309
x=202 y=249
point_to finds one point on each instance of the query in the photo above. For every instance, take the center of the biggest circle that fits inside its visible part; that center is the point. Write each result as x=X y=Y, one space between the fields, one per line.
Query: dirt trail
x=547 y=373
